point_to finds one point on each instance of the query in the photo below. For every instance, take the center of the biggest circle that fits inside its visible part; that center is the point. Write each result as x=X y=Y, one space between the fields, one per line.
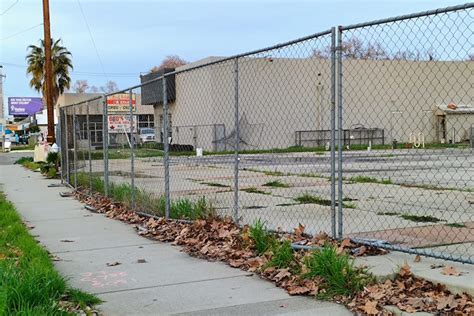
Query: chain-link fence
x=361 y=131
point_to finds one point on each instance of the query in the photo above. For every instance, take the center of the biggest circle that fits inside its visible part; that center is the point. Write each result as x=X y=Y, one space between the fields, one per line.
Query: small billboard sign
x=24 y=106
x=120 y=123
x=120 y=103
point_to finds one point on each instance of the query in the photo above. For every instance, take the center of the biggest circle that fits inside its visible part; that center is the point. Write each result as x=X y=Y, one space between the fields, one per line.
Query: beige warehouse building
x=287 y=102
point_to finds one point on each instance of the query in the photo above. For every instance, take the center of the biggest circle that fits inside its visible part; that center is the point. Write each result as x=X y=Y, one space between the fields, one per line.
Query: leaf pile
x=411 y=294
x=219 y=239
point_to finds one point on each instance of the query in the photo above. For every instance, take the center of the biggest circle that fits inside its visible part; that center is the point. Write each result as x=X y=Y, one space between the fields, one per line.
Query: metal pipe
x=166 y=151
x=74 y=140
x=132 y=149
x=105 y=145
x=237 y=141
x=90 y=149
x=66 y=131
x=408 y=16
x=333 y=132
x=339 y=126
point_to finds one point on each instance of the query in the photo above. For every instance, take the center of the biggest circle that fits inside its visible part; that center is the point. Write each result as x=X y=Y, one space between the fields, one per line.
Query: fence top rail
x=225 y=59
x=408 y=16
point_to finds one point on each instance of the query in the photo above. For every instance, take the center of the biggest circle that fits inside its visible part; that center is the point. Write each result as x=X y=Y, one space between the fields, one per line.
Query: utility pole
x=48 y=72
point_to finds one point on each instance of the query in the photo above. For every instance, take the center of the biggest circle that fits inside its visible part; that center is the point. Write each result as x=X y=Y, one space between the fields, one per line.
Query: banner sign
x=121 y=123
x=120 y=103
x=24 y=106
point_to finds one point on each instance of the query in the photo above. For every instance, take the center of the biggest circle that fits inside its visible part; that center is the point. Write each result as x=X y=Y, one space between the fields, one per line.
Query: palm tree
x=61 y=65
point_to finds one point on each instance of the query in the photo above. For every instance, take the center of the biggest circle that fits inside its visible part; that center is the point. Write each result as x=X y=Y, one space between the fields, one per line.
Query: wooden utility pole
x=48 y=72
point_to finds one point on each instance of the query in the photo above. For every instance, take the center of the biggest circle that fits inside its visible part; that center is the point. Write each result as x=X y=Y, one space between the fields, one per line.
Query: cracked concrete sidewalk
x=152 y=278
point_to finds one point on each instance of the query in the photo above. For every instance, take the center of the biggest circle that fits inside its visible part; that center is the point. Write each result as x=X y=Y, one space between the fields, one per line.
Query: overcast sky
x=132 y=36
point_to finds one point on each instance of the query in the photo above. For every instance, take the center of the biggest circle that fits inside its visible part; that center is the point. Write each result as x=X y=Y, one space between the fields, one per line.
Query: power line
x=92 y=39
x=86 y=73
x=13 y=4
x=21 y=32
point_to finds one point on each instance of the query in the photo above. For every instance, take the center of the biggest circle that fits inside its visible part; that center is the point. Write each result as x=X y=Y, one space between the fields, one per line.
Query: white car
x=146 y=135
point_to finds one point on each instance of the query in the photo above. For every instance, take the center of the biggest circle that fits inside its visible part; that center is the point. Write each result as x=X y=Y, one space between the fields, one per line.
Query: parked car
x=146 y=135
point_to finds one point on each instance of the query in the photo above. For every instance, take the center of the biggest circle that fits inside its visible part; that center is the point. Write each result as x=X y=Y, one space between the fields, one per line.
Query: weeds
x=420 y=218
x=388 y=213
x=254 y=190
x=456 y=225
x=365 y=179
x=338 y=272
x=214 y=184
x=307 y=198
x=262 y=239
x=283 y=256
x=276 y=184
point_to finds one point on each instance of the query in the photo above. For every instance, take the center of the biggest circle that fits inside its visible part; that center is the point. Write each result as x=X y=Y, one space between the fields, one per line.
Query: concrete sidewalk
x=152 y=278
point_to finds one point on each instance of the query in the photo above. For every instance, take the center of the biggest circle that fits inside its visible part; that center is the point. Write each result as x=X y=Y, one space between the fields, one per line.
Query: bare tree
x=94 y=89
x=80 y=86
x=170 y=61
x=110 y=86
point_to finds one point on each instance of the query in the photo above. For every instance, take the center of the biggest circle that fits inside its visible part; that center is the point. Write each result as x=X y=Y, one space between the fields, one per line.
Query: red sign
x=121 y=103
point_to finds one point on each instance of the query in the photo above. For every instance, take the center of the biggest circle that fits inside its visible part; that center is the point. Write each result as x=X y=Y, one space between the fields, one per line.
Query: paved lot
x=437 y=183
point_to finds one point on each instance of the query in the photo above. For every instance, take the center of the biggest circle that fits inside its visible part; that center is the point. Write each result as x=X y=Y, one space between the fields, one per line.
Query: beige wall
x=281 y=96
x=95 y=106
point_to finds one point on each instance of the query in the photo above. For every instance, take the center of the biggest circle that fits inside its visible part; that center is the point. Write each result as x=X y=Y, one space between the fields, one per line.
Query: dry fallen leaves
x=221 y=240
x=450 y=270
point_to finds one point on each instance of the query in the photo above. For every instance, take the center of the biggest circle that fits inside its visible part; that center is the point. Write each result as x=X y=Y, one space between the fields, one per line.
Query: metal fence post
x=89 y=147
x=105 y=145
x=333 y=132
x=66 y=149
x=166 y=150
x=237 y=141
x=74 y=141
x=132 y=149
x=340 y=132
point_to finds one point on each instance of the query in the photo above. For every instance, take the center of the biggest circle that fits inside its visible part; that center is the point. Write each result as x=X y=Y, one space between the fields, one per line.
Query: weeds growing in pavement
x=276 y=184
x=420 y=218
x=254 y=190
x=307 y=198
x=456 y=225
x=215 y=184
x=262 y=239
x=365 y=179
x=340 y=275
x=388 y=213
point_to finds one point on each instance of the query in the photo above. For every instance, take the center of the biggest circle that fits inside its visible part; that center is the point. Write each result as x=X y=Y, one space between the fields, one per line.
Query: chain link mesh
x=255 y=136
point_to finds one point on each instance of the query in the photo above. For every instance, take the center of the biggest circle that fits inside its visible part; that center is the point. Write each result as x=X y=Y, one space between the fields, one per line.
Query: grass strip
x=29 y=285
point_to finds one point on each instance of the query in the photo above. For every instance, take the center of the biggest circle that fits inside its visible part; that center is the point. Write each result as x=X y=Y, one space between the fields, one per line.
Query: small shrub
x=340 y=275
x=23 y=160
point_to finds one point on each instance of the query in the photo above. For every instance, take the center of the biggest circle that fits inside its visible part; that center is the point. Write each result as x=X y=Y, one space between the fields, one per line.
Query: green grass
x=181 y=208
x=262 y=239
x=23 y=160
x=214 y=184
x=22 y=147
x=307 y=198
x=339 y=274
x=365 y=179
x=276 y=184
x=388 y=213
x=283 y=256
x=29 y=285
x=456 y=225
x=420 y=218
x=255 y=190
x=435 y=187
